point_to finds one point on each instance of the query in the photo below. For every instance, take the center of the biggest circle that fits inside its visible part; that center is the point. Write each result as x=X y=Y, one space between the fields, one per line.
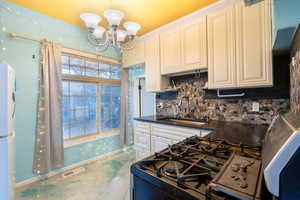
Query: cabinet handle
x=229 y=95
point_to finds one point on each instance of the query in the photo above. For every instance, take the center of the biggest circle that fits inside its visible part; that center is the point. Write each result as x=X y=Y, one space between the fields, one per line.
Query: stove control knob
x=243 y=184
x=235 y=167
x=244 y=165
x=243 y=168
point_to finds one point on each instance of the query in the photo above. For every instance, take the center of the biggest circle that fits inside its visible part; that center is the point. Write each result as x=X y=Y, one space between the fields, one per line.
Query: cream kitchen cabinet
x=239 y=46
x=136 y=55
x=154 y=81
x=153 y=137
x=142 y=139
x=184 y=46
x=221 y=49
x=194 y=43
x=164 y=135
x=170 y=50
x=254 y=44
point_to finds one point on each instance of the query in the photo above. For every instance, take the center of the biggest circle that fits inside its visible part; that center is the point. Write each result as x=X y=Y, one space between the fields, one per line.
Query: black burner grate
x=193 y=163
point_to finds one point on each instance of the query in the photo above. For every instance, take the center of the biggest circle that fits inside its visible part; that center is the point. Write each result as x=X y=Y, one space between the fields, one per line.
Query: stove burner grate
x=193 y=163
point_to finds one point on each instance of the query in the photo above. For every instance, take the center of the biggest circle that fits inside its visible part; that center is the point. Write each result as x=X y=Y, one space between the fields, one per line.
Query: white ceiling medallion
x=114 y=36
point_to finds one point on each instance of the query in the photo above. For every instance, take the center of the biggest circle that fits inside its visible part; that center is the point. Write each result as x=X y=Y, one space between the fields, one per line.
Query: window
x=110 y=107
x=91 y=97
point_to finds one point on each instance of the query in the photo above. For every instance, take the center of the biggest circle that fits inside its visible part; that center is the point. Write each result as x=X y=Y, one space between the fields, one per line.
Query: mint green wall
x=286 y=18
x=286 y=13
x=18 y=53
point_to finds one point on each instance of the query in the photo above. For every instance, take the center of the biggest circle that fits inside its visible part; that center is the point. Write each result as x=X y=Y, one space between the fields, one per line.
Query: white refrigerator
x=7 y=133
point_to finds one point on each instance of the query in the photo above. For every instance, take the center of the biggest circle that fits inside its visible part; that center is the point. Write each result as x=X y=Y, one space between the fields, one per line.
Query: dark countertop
x=233 y=132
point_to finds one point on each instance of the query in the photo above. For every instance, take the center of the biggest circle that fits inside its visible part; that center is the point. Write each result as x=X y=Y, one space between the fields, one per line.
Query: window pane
x=76 y=88
x=90 y=89
x=115 y=123
x=65 y=69
x=79 y=108
x=66 y=131
x=66 y=87
x=77 y=130
x=91 y=102
x=91 y=68
x=116 y=91
x=104 y=70
x=105 y=125
x=78 y=103
x=116 y=107
x=115 y=72
x=110 y=107
x=76 y=66
x=91 y=127
x=65 y=65
x=65 y=60
x=84 y=67
x=66 y=103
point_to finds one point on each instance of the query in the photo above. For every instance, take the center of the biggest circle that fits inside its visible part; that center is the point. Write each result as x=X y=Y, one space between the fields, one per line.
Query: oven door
x=143 y=190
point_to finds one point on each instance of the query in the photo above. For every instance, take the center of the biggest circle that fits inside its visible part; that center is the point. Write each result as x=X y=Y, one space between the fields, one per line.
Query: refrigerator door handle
x=14 y=104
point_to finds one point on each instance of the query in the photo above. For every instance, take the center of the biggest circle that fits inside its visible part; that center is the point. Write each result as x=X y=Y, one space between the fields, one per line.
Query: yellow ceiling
x=151 y=14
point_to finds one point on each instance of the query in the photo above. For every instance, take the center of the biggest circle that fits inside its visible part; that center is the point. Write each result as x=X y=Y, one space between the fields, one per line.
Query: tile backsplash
x=190 y=103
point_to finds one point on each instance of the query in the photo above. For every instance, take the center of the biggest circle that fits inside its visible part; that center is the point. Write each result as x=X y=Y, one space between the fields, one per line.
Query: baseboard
x=67 y=168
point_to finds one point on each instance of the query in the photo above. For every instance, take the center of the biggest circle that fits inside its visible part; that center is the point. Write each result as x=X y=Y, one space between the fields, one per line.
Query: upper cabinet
x=239 y=46
x=136 y=55
x=184 y=46
x=221 y=49
x=232 y=40
x=170 y=47
x=254 y=48
x=154 y=81
x=194 y=43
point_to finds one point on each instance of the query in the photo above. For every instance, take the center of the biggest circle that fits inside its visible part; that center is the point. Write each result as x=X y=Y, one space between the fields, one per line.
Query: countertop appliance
x=7 y=135
x=212 y=168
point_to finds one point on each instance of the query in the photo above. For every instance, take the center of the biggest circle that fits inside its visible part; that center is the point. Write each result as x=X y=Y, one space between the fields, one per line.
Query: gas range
x=200 y=168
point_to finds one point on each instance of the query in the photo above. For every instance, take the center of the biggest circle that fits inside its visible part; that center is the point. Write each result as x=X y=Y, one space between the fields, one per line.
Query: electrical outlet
x=255 y=107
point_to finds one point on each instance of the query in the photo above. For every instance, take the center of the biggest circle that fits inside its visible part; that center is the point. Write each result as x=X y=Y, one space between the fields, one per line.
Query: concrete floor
x=102 y=180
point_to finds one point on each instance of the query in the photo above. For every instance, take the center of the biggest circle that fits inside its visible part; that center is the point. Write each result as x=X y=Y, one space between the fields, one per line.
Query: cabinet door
x=194 y=43
x=159 y=143
x=170 y=47
x=154 y=81
x=142 y=139
x=135 y=55
x=221 y=49
x=254 y=51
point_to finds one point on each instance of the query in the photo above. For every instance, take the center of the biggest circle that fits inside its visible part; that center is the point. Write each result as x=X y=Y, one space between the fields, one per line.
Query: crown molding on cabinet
x=202 y=11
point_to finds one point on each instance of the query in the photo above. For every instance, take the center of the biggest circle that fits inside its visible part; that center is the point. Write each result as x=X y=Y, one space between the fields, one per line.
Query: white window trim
x=99 y=81
x=90 y=138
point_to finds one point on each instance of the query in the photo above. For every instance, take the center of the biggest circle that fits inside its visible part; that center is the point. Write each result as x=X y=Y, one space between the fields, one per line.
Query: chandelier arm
x=102 y=49
x=129 y=44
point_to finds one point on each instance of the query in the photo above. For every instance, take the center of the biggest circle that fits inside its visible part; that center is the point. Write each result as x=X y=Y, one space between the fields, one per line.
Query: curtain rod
x=14 y=35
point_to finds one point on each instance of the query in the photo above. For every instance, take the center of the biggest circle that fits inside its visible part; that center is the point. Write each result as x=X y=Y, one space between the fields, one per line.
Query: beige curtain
x=49 y=150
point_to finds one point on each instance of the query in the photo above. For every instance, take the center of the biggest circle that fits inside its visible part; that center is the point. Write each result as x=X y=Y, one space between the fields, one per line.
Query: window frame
x=99 y=82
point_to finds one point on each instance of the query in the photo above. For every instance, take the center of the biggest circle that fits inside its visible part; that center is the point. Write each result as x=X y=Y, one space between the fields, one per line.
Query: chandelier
x=114 y=36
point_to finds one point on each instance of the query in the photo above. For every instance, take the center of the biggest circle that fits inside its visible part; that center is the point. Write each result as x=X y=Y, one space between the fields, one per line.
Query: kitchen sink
x=187 y=122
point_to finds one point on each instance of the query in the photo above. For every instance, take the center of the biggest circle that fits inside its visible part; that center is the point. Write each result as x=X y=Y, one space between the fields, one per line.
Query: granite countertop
x=234 y=132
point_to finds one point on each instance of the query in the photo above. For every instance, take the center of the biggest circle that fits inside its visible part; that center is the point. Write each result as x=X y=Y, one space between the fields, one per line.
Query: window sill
x=90 y=138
